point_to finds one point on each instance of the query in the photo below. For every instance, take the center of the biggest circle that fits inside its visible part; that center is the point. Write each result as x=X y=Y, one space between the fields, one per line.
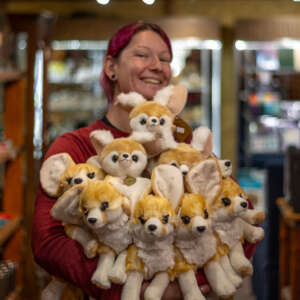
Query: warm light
x=103 y=2
x=149 y=2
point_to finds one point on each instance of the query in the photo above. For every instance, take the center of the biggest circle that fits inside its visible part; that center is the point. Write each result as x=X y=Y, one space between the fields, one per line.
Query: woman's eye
x=135 y=157
x=186 y=219
x=165 y=219
x=115 y=158
x=162 y=121
x=143 y=121
x=104 y=206
x=91 y=175
x=142 y=220
x=226 y=201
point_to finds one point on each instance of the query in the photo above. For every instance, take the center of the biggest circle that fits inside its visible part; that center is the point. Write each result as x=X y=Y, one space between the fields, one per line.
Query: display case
x=266 y=55
x=75 y=98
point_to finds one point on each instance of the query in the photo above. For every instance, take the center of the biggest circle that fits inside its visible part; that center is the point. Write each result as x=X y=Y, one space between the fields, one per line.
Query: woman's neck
x=118 y=117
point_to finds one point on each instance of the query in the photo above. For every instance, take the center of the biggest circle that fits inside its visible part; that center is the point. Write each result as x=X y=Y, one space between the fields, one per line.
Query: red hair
x=119 y=41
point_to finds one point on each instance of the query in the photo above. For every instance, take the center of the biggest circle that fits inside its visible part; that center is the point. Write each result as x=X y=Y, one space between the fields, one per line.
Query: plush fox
x=152 y=223
x=226 y=203
x=106 y=213
x=124 y=160
x=58 y=174
x=152 y=121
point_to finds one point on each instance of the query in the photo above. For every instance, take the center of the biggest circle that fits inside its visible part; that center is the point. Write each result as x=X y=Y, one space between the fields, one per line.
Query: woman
x=138 y=59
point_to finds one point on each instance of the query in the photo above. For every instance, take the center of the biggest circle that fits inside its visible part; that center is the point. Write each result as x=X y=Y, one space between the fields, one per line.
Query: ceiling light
x=103 y=2
x=149 y=2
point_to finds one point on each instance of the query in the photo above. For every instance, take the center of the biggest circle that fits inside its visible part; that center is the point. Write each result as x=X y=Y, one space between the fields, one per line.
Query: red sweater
x=53 y=250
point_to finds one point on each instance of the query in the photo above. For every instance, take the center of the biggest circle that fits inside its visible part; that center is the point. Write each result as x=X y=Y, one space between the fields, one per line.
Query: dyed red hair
x=120 y=40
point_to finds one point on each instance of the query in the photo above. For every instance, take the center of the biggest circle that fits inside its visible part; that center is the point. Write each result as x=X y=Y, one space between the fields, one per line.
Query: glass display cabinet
x=76 y=99
x=267 y=56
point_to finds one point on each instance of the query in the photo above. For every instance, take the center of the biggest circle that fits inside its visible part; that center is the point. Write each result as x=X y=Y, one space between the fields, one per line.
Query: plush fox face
x=193 y=217
x=184 y=157
x=79 y=174
x=151 y=116
x=230 y=203
x=100 y=204
x=123 y=157
x=153 y=217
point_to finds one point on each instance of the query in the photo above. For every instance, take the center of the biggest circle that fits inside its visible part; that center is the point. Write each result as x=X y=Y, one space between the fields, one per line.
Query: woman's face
x=143 y=66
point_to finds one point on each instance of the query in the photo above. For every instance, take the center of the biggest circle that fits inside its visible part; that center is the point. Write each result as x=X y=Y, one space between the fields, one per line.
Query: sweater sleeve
x=53 y=250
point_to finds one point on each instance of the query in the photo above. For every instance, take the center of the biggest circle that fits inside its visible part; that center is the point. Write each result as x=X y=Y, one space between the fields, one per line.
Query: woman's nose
x=155 y=63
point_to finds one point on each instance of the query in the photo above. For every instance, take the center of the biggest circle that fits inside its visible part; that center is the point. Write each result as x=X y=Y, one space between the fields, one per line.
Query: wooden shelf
x=287 y=212
x=9 y=229
x=10 y=75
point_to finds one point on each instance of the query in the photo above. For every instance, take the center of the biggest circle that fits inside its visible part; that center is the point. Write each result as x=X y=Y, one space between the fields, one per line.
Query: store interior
x=240 y=61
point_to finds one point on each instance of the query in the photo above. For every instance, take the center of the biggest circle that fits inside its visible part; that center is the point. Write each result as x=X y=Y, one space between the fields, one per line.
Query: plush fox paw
x=90 y=250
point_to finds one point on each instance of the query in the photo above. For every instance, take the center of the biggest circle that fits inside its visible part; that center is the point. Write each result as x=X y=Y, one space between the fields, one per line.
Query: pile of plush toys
x=187 y=214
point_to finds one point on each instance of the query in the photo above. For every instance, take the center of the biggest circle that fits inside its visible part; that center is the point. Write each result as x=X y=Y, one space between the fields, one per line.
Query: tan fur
x=122 y=145
x=152 y=206
x=151 y=108
x=183 y=154
x=193 y=205
x=133 y=262
x=76 y=169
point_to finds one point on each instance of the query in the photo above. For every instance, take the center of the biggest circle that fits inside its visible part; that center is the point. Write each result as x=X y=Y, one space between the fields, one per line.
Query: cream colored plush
x=106 y=213
x=57 y=175
x=152 y=121
x=152 y=254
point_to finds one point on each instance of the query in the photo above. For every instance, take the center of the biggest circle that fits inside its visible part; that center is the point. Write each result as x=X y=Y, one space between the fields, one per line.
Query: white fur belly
x=199 y=251
x=230 y=233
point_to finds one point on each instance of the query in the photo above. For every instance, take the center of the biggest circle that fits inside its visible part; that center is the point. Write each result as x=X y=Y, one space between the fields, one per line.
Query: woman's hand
x=173 y=291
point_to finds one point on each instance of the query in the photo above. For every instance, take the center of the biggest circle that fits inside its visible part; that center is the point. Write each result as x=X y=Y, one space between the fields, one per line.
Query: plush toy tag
x=182 y=131
x=128 y=180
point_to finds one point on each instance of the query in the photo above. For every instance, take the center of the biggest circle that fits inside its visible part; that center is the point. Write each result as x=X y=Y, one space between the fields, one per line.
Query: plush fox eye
x=186 y=219
x=165 y=219
x=241 y=195
x=91 y=175
x=162 y=121
x=69 y=180
x=174 y=164
x=142 y=220
x=115 y=158
x=85 y=211
x=104 y=206
x=143 y=121
x=135 y=157
x=205 y=214
x=226 y=201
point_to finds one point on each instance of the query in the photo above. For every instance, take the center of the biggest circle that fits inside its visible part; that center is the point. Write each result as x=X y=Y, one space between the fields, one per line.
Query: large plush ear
x=52 y=170
x=66 y=208
x=100 y=138
x=93 y=160
x=205 y=179
x=202 y=140
x=131 y=99
x=178 y=99
x=167 y=181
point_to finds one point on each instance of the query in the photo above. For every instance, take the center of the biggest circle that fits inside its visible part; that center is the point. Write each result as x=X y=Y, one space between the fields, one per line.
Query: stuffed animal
x=57 y=175
x=152 y=121
x=225 y=211
x=195 y=235
x=152 y=254
x=106 y=212
x=124 y=160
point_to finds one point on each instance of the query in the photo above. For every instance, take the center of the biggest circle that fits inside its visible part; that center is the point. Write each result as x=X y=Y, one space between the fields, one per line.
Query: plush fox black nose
x=78 y=180
x=92 y=220
x=201 y=228
x=152 y=227
x=244 y=204
x=154 y=121
x=125 y=155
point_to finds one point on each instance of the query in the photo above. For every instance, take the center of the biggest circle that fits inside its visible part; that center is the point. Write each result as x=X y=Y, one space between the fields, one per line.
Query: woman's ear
x=110 y=67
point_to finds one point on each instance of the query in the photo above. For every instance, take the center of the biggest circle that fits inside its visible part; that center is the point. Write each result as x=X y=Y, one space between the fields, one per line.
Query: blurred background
x=240 y=60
